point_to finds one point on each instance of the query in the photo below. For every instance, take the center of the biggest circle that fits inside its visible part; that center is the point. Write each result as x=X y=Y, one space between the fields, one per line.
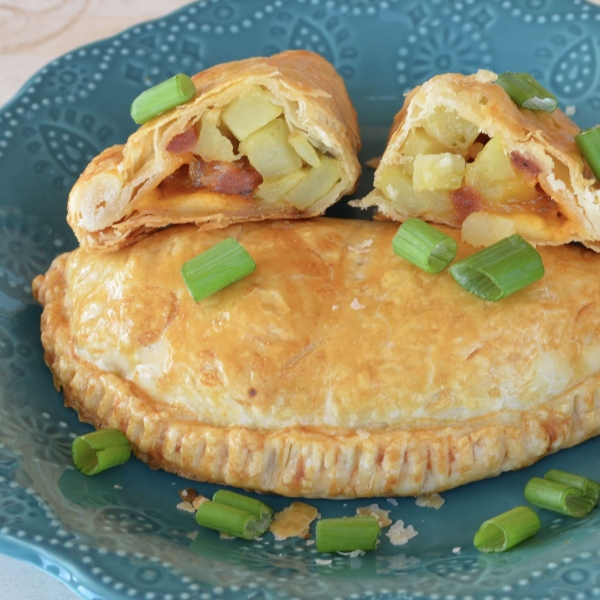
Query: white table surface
x=32 y=33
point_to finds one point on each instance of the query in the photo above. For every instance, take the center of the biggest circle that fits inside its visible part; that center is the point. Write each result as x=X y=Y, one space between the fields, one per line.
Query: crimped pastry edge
x=307 y=462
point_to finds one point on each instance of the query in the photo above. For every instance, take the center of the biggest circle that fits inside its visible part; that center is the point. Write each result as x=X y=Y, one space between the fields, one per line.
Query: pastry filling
x=247 y=149
x=449 y=167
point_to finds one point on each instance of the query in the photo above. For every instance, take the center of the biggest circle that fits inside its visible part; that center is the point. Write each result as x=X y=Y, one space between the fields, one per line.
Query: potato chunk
x=397 y=187
x=304 y=148
x=418 y=142
x=451 y=130
x=273 y=189
x=212 y=144
x=494 y=177
x=250 y=111
x=485 y=229
x=318 y=181
x=269 y=151
x=438 y=171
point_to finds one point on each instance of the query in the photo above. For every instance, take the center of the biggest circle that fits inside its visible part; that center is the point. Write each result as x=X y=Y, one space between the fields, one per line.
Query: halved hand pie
x=461 y=152
x=263 y=138
x=335 y=369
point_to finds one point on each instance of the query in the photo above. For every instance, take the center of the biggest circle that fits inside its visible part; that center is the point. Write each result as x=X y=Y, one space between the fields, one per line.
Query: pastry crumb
x=117 y=486
x=186 y=507
x=361 y=248
x=373 y=510
x=456 y=550
x=373 y=162
x=400 y=535
x=430 y=501
x=356 y=305
x=198 y=500
x=323 y=561
x=570 y=110
x=226 y=536
x=335 y=307
x=187 y=494
x=293 y=521
x=352 y=554
x=392 y=501
x=310 y=542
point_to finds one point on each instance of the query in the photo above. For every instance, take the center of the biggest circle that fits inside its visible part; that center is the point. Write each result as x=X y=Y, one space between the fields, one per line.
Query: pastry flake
x=263 y=138
x=462 y=153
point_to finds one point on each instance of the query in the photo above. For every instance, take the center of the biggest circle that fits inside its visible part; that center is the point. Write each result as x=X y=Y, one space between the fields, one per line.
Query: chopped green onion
x=424 y=246
x=588 y=142
x=94 y=452
x=255 y=507
x=162 y=97
x=231 y=520
x=506 y=530
x=589 y=488
x=347 y=535
x=558 y=497
x=500 y=269
x=524 y=90
x=215 y=269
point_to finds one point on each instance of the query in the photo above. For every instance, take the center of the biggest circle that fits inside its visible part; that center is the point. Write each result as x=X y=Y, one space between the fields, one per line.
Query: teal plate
x=119 y=535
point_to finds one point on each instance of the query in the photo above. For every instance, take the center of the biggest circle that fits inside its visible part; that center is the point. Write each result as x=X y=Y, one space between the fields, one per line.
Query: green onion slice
x=589 y=488
x=424 y=246
x=347 y=535
x=231 y=520
x=558 y=497
x=588 y=142
x=524 y=90
x=506 y=530
x=255 y=507
x=97 y=451
x=215 y=269
x=500 y=269
x=162 y=97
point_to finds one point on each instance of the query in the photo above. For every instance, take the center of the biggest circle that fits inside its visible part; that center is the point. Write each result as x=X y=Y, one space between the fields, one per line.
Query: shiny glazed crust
x=545 y=139
x=337 y=371
x=106 y=205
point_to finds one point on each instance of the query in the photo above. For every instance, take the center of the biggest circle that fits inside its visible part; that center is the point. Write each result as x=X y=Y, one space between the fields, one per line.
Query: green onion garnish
x=162 y=97
x=589 y=488
x=424 y=246
x=558 y=497
x=347 y=535
x=215 y=269
x=231 y=520
x=255 y=507
x=500 y=269
x=506 y=530
x=94 y=452
x=588 y=142
x=524 y=90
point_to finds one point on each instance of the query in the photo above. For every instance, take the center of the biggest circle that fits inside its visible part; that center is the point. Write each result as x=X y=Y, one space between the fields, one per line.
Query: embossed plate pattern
x=119 y=535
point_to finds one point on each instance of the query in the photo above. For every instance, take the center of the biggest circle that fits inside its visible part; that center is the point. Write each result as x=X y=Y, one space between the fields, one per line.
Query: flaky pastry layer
x=335 y=370
x=111 y=205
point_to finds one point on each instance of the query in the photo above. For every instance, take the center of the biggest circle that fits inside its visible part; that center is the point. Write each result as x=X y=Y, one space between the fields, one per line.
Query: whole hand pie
x=462 y=153
x=263 y=138
x=336 y=369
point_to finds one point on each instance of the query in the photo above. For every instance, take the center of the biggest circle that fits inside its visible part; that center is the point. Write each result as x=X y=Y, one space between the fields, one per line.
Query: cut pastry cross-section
x=462 y=153
x=263 y=138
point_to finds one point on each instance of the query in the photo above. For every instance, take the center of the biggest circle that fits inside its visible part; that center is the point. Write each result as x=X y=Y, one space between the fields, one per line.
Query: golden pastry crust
x=339 y=370
x=112 y=204
x=544 y=140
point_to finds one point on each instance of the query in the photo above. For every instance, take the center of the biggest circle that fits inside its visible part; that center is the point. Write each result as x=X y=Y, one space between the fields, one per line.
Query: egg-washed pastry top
x=263 y=138
x=336 y=369
x=462 y=153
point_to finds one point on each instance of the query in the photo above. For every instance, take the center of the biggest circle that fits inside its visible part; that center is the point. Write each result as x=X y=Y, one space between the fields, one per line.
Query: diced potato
x=318 y=181
x=272 y=189
x=304 y=148
x=269 y=151
x=448 y=128
x=438 y=171
x=485 y=229
x=418 y=142
x=250 y=111
x=397 y=187
x=212 y=144
x=494 y=177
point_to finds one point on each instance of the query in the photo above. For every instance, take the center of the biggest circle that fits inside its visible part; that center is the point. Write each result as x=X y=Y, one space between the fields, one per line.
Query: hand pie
x=461 y=152
x=335 y=370
x=263 y=138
